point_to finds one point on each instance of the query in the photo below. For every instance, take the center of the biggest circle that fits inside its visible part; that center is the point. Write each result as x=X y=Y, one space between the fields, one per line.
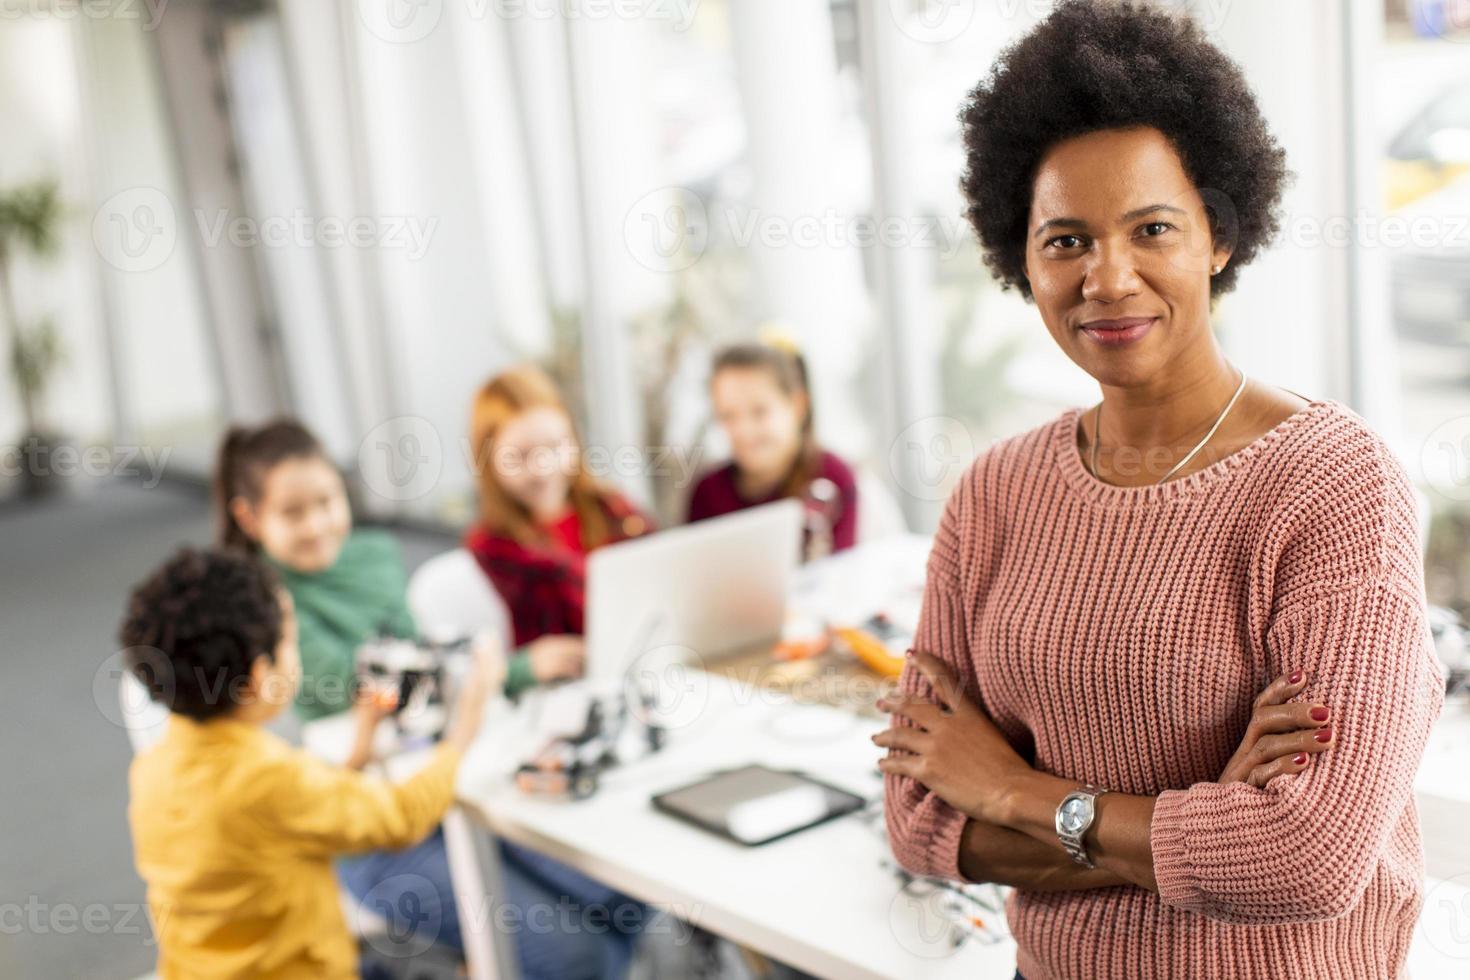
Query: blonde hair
x=501 y=399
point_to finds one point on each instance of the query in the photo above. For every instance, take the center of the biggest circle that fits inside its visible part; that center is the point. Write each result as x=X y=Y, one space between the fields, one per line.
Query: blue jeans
x=412 y=890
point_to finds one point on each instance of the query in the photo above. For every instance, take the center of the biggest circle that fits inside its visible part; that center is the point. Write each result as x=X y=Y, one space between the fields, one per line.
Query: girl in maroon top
x=541 y=512
x=763 y=402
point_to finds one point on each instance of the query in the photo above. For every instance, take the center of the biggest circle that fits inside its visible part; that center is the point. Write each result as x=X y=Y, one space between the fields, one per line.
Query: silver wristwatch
x=1074 y=817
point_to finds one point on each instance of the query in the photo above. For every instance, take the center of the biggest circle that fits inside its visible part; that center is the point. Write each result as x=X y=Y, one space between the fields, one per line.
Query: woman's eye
x=1065 y=241
x=1162 y=227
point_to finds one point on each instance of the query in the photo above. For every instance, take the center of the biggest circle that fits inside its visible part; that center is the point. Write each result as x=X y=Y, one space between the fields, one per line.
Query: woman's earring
x=1215 y=270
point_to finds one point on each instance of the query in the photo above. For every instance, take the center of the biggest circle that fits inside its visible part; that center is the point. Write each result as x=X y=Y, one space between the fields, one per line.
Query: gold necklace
x=1097 y=426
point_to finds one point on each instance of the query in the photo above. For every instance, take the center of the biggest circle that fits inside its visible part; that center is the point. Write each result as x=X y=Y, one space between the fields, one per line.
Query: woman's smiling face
x=1118 y=254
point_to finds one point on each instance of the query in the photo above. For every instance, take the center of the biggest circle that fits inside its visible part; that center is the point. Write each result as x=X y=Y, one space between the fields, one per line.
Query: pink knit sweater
x=1118 y=636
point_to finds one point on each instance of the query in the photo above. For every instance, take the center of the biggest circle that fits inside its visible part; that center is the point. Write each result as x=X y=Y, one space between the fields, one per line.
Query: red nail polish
x=1325 y=735
x=1300 y=758
x=1319 y=714
x=1296 y=677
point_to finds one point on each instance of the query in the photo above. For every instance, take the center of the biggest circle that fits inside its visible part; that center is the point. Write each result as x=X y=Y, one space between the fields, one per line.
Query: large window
x=738 y=191
x=1419 y=112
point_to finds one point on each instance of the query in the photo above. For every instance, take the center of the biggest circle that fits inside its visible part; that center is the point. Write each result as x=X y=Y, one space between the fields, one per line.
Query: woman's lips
x=1125 y=330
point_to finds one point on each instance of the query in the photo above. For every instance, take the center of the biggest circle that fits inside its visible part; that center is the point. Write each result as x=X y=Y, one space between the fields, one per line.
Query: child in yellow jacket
x=234 y=830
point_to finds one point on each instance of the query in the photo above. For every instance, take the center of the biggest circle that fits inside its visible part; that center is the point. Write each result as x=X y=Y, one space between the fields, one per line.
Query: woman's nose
x=1110 y=277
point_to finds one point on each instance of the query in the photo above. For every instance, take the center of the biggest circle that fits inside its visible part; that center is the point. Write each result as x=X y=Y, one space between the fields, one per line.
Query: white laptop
x=680 y=596
x=708 y=587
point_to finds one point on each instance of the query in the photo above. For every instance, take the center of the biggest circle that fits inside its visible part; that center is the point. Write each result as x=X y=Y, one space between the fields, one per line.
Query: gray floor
x=71 y=904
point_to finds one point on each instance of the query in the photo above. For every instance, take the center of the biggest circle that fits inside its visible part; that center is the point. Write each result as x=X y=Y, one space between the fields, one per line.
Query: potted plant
x=30 y=222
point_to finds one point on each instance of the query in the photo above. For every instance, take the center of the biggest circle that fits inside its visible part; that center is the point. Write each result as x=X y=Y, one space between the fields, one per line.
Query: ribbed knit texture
x=1118 y=635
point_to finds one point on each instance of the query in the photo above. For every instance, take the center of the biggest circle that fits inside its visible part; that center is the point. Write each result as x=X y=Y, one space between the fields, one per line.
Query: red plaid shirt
x=545 y=584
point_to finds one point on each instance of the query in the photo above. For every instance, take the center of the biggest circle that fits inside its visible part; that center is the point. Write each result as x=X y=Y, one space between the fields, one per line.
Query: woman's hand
x=556 y=657
x=954 y=748
x=1281 y=737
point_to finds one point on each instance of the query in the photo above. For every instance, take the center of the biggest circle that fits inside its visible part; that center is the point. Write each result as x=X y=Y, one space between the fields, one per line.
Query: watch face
x=1075 y=814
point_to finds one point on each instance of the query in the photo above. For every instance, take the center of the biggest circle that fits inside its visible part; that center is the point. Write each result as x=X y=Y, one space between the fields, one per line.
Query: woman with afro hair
x=1171 y=681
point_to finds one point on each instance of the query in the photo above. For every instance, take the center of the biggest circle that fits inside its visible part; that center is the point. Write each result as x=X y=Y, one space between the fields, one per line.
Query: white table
x=822 y=900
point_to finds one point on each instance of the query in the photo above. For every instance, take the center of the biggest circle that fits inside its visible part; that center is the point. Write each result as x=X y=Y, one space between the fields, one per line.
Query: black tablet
x=756 y=804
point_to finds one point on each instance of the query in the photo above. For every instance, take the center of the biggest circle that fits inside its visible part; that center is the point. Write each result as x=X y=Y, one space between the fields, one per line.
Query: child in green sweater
x=278 y=495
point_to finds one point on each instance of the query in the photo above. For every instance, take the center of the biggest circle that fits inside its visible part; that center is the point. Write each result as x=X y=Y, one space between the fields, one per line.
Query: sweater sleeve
x=845 y=529
x=519 y=674
x=1305 y=847
x=701 y=502
x=1347 y=607
x=923 y=830
x=329 y=810
x=327 y=668
x=1346 y=604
